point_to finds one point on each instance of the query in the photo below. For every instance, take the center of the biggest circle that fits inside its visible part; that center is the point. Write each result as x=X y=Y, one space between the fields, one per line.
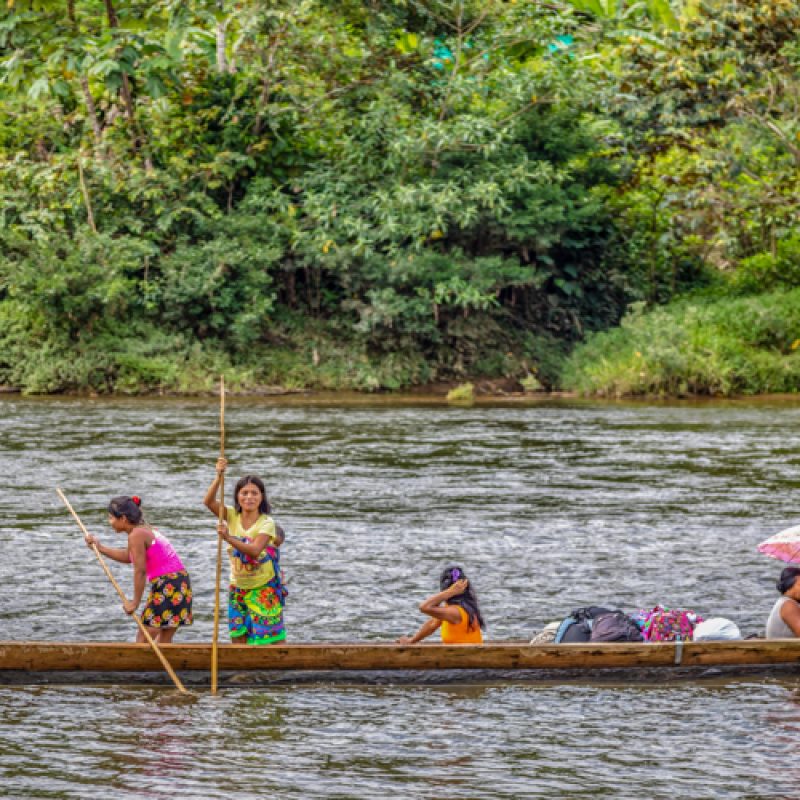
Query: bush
x=463 y=395
x=765 y=271
x=724 y=347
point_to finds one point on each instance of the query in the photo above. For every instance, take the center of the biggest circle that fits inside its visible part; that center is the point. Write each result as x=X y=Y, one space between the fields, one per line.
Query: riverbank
x=710 y=345
x=486 y=395
x=481 y=388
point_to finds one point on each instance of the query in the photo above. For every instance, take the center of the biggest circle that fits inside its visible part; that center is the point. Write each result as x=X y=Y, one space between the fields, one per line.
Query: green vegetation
x=376 y=195
x=462 y=395
x=734 y=346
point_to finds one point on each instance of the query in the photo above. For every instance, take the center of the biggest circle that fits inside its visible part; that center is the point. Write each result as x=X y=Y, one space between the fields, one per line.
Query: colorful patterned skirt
x=256 y=615
x=169 y=603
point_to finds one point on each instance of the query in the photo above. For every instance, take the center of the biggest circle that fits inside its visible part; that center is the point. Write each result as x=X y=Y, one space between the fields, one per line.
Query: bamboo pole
x=215 y=637
x=142 y=627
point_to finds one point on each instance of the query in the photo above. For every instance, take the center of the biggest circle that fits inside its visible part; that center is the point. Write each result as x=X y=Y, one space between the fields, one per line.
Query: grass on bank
x=700 y=346
x=179 y=364
x=301 y=355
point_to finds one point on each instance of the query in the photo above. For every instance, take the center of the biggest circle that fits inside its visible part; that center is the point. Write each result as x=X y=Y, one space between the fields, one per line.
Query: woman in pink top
x=169 y=602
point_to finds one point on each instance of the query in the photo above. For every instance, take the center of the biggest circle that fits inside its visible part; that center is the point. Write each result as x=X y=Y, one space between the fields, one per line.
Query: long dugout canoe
x=39 y=657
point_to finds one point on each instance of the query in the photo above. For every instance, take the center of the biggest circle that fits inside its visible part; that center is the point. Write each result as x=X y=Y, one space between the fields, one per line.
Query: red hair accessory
x=137 y=500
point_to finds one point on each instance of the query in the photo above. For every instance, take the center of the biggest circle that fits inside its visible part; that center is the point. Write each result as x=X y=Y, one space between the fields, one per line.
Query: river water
x=547 y=505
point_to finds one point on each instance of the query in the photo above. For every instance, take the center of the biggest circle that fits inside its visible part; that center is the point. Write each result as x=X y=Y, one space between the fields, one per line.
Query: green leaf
x=103 y=68
x=662 y=13
x=155 y=87
x=61 y=88
x=39 y=88
x=407 y=43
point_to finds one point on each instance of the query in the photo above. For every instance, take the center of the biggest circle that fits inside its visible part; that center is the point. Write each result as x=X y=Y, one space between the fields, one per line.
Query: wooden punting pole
x=142 y=627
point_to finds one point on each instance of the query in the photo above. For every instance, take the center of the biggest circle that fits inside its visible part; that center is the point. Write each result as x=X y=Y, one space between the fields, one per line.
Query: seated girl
x=784 y=619
x=454 y=609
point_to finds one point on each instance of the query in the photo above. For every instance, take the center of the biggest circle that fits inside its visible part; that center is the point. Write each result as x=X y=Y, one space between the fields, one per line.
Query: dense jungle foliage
x=596 y=195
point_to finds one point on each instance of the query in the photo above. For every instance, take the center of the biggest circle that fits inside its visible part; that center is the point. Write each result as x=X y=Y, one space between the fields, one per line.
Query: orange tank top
x=460 y=632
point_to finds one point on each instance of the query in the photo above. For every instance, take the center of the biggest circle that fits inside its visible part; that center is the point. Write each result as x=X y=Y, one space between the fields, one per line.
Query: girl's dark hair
x=264 y=507
x=787 y=579
x=127 y=507
x=467 y=600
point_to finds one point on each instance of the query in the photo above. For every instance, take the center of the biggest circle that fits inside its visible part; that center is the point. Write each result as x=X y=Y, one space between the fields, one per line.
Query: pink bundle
x=667 y=624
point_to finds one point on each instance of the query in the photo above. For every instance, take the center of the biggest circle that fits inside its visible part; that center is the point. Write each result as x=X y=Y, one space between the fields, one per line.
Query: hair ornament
x=136 y=499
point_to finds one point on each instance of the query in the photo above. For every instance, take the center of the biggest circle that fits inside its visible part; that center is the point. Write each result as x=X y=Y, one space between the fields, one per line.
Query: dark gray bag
x=577 y=627
x=615 y=626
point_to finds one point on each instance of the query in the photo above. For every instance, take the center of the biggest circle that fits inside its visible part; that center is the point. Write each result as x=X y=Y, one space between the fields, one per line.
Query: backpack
x=616 y=626
x=668 y=624
x=577 y=627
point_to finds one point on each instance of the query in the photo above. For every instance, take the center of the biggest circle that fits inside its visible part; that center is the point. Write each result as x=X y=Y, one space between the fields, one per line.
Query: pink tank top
x=161 y=558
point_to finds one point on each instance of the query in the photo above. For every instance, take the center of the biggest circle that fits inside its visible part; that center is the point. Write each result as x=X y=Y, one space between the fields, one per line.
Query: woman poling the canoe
x=454 y=610
x=784 y=619
x=154 y=560
x=256 y=593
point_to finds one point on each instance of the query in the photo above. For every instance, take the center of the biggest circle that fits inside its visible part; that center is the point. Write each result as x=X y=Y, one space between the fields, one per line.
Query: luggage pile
x=658 y=624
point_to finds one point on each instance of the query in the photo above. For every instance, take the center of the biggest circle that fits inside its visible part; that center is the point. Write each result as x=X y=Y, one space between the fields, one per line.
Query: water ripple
x=548 y=507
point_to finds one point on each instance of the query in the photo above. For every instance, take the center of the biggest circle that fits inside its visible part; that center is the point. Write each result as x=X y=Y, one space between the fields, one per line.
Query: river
x=547 y=505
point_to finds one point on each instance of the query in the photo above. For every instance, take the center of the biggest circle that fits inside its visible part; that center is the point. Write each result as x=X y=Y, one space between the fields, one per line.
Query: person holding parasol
x=784 y=619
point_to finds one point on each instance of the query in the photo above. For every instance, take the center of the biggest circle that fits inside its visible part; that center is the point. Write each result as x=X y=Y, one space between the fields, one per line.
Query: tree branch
x=85 y=192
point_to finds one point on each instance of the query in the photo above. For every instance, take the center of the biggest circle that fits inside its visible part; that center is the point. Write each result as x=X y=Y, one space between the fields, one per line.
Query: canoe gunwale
x=131 y=657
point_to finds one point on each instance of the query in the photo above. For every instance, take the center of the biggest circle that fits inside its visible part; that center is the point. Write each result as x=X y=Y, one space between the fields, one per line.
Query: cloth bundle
x=661 y=624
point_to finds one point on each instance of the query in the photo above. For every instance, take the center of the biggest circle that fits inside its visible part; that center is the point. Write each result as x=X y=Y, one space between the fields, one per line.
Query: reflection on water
x=548 y=506
x=510 y=741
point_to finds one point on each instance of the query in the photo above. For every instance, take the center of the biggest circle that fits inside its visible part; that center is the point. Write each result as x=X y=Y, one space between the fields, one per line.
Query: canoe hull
x=35 y=657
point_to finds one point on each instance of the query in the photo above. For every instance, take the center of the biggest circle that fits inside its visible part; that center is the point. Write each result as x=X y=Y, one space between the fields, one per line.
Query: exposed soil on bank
x=483 y=387
x=484 y=390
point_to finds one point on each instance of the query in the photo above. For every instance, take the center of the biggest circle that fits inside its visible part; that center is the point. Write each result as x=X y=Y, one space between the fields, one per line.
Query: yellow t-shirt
x=247 y=572
x=460 y=632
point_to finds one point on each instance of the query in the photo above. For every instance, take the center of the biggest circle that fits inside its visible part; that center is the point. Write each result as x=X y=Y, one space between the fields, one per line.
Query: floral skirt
x=256 y=615
x=169 y=603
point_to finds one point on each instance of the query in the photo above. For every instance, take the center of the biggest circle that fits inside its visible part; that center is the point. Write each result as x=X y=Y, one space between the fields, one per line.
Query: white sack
x=716 y=629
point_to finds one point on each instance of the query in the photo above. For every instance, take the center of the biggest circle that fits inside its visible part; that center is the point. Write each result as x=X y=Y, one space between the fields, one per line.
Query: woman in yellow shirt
x=454 y=610
x=256 y=594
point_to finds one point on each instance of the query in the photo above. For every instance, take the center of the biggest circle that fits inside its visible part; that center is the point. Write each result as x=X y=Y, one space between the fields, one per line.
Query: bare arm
x=137 y=544
x=426 y=629
x=253 y=549
x=115 y=553
x=432 y=606
x=790 y=614
x=210 y=500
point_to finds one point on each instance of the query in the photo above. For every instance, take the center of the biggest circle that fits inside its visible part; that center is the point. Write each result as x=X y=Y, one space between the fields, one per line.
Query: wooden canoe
x=115 y=657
